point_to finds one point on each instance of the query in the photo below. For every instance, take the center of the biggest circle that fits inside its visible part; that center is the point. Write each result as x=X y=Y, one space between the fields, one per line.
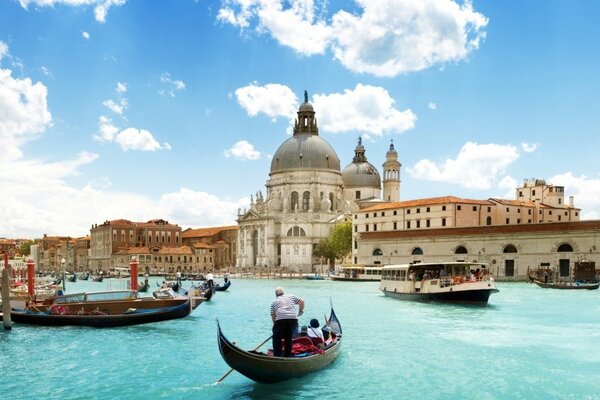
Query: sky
x=172 y=109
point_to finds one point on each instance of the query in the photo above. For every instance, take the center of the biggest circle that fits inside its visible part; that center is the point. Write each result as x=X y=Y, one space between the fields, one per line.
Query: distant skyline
x=140 y=110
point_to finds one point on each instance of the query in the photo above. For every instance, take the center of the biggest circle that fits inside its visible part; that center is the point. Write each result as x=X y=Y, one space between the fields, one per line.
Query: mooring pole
x=6 y=295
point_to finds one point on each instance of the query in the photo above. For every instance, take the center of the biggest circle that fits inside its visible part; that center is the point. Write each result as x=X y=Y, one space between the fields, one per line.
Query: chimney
x=571 y=201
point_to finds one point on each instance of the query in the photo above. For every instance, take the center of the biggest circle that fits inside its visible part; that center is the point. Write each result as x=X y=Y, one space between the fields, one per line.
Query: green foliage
x=338 y=245
x=26 y=247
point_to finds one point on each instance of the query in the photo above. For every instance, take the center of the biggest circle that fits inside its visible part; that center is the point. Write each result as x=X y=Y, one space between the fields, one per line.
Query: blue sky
x=172 y=109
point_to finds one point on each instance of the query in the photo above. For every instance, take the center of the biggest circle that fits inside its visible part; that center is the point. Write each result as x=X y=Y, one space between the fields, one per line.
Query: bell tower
x=391 y=175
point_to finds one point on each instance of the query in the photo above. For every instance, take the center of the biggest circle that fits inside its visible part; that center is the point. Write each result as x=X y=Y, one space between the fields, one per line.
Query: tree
x=340 y=239
x=338 y=245
x=26 y=247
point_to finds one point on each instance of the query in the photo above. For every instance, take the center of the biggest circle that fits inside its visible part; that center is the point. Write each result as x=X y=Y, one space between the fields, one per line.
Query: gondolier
x=285 y=321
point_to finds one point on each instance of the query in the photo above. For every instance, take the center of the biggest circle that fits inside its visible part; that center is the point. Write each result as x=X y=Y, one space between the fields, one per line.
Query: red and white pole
x=30 y=278
x=134 y=273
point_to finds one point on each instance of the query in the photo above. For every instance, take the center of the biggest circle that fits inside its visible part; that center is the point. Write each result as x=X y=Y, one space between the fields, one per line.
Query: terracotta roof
x=184 y=250
x=203 y=232
x=424 y=202
x=488 y=229
x=520 y=203
x=201 y=245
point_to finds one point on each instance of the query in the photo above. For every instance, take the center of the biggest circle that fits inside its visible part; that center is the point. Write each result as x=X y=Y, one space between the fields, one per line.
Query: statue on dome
x=305 y=96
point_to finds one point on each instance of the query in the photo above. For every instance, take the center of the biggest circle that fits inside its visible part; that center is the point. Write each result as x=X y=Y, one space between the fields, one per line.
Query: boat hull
x=223 y=287
x=103 y=321
x=341 y=278
x=477 y=296
x=263 y=368
x=581 y=286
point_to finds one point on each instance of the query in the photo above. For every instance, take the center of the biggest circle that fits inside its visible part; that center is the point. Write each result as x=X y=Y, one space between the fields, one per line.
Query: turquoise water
x=528 y=343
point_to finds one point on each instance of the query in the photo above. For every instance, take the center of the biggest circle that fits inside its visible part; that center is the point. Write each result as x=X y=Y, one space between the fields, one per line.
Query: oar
x=231 y=369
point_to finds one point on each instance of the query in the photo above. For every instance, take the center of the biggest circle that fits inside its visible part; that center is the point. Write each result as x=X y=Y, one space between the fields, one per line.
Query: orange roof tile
x=203 y=232
x=424 y=202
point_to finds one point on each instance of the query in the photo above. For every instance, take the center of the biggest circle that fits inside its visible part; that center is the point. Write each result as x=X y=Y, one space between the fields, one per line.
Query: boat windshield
x=166 y=293
x=116 y=295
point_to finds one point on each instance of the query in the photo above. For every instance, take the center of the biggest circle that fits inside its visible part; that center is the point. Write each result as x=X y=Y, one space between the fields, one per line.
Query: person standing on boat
x=210 y=280
x=285 y=321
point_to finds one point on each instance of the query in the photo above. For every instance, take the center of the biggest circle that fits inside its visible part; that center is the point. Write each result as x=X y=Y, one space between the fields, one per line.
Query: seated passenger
x=314 y=331
x=303 y=331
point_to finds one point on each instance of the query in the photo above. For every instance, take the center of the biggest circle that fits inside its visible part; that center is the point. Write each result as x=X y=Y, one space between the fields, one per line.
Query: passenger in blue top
x=285 y=321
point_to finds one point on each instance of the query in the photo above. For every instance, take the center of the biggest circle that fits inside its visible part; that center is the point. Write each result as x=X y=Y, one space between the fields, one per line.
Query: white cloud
x=388 y=38
x=296 y=26
x=432 y=106
x=529 y=147
x=170 y=85
x=85 y=35
x=101 y=7
x=117 y=108
x=129 y=138
x=198 y=209
x=477 y=166
x=272 y=99
x=368 y=109
x=46 y=71
x=24 y=112
x=3 y=50
x=242 y=150
x=585 y=191
x=121 y=87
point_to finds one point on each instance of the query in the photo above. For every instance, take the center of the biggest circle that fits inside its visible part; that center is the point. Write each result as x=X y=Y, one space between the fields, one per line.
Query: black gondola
x=223 y=287
x=264 y=368
x=143 y=287
x=72 y=278
x=99 y=278
x=203 y=290
x=568 y=285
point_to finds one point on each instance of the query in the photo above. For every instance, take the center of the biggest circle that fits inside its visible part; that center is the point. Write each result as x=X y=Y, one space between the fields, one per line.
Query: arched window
x=417 y=251
x=488 y=220
x=305 y=201
x=294 y=201
x=461 y=250
x=377 y=252
x=564 y=248
x=296 y=231
x=331 y=199
x=509 y=249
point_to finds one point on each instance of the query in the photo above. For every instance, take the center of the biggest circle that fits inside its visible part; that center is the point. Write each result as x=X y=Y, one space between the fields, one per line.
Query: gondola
x=133 y=317
x=99 y=278
x=223 y=287
x=143 y=287
x=264 y=368
x=203 y=290
x=72 y=278
x=568 y=285
x=106 y=309
x=84 y=277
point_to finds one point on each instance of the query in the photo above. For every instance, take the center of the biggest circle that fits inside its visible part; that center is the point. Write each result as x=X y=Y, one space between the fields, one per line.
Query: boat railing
x=460 y=279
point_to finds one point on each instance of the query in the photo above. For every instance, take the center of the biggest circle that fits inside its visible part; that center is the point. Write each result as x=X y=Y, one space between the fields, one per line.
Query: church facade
x=307 y=193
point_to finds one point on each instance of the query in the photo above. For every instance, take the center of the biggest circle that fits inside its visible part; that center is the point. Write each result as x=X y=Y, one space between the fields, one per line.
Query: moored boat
x=265 y=368
x=458 y=282
x=357 y=273
x=568 y=285
x=106 y=309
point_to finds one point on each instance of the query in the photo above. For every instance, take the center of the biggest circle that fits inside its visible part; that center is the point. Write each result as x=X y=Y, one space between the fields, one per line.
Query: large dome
x=360 y=172
x=305 y=151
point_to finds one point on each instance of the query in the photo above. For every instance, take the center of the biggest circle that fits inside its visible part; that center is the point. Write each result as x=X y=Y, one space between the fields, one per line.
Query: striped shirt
x=283 y=307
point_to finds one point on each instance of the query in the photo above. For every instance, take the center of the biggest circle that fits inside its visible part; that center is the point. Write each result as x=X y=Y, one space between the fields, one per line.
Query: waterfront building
x=165 y=260
x=306 y=194
x=536 y=230
x=8 y=246
x=216 y=245
x=111 y=237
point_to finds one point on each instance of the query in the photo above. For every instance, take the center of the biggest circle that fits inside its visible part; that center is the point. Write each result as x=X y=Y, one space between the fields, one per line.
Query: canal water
x=528 y=343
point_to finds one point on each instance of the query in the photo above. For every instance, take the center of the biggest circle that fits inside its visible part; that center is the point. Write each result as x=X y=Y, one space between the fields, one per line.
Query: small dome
x=361 y=173
x=306 y=107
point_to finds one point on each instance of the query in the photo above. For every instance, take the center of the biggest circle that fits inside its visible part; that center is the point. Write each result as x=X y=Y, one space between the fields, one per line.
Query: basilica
x=307 y=193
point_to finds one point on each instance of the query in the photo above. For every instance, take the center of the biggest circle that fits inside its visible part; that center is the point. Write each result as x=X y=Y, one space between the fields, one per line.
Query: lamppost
x=64 y=275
